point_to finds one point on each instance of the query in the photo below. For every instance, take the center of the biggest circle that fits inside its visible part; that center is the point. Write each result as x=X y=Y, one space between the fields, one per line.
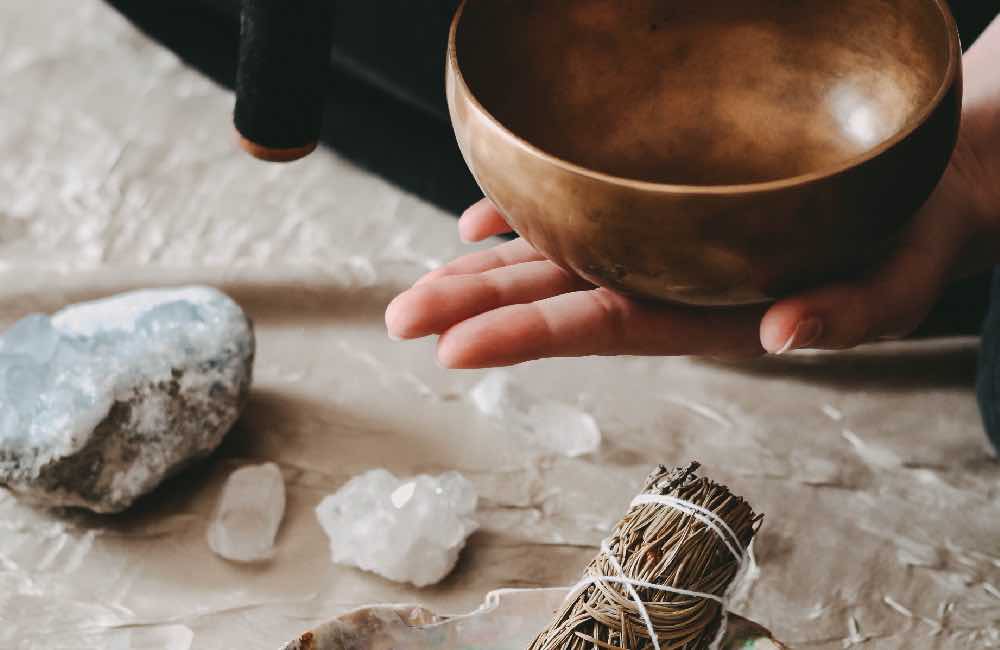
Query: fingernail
x=393 y=337
x=806 y=333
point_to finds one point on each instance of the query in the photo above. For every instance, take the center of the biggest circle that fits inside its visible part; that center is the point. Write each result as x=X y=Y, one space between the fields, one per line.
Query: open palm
x=509 y=304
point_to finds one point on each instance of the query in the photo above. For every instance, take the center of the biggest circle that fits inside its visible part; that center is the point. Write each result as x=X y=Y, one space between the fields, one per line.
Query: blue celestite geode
x=103 y=400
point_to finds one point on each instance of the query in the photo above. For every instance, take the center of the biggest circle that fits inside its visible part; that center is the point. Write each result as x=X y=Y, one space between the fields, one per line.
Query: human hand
x=509 y=304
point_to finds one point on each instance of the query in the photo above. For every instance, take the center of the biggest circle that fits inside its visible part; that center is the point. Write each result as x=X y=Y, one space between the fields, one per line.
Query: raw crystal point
x=248 y=514
x=547 y=425
x=102 y=401
x=405 y=530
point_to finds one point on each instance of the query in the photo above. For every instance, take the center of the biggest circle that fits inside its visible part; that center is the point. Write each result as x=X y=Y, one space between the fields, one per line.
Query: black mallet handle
x=281 y=78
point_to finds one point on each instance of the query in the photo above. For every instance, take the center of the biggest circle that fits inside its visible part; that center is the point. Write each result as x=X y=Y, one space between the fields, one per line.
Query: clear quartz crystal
x=248 y=514
x=546 y=425
x=405 y=530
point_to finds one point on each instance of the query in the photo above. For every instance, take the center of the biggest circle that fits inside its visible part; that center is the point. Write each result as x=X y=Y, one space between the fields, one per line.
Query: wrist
x=974 y=179
x=964 y=224
x=974 y=172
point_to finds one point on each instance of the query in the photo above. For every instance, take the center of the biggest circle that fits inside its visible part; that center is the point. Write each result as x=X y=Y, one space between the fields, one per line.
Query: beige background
x=118 y=171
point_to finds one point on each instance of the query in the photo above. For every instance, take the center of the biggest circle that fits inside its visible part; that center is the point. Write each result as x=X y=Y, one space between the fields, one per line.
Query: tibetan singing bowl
x=717 y=152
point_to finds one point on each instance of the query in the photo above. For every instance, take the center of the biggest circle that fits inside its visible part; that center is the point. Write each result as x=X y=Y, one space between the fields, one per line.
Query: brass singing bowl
x=716 y=152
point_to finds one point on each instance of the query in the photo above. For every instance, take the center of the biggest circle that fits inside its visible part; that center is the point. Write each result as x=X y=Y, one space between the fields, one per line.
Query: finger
x=480 y=221
x=506 y=254
x=596 y=322
x=433 y=307
x=890 y=303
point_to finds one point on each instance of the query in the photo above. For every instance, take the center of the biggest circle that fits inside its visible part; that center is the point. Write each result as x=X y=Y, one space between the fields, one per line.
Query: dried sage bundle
x=667 y=567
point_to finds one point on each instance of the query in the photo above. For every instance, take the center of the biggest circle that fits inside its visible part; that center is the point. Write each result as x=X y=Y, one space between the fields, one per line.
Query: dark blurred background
x=386 y=109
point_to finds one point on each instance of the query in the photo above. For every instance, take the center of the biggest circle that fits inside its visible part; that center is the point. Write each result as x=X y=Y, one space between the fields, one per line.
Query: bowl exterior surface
x=707 y=245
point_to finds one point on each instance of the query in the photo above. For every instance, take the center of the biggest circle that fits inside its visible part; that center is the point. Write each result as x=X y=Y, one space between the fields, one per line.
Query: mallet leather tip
x=274 y=154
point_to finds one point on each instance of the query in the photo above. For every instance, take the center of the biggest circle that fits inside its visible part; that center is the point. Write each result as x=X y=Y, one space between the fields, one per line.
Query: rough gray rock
x=105 y=399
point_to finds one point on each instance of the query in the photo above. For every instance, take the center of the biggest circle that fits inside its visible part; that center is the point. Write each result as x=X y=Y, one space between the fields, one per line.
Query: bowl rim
x=911 y=125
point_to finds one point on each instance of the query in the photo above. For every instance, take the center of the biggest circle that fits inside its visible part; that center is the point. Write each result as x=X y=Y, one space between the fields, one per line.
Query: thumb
x=889 y=303
x=480 y=221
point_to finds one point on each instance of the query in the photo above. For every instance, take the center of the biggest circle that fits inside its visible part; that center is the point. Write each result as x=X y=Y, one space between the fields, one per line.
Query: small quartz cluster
x=546 y=426
x=248 y=514
x=405 y=530
x=103 y=400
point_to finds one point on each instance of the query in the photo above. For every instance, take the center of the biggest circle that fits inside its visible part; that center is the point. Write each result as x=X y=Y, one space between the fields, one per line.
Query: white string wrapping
x=713 y=522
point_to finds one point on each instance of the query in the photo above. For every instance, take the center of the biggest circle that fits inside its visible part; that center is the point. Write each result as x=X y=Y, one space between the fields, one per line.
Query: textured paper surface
x=119 y=171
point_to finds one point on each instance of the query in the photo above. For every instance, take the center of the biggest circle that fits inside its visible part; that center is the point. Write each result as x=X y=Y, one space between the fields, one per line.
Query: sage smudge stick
x=674 y=556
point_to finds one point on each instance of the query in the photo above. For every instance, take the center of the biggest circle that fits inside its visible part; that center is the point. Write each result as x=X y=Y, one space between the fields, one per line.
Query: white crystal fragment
x=405 y=530
x=248 y=514
x=103 y=400
x=543 y=424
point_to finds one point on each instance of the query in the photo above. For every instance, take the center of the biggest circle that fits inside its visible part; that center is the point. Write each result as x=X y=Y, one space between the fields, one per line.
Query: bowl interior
x=713 y=92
